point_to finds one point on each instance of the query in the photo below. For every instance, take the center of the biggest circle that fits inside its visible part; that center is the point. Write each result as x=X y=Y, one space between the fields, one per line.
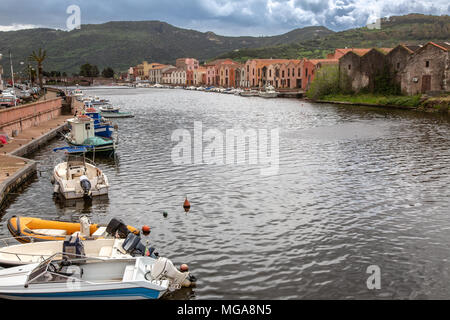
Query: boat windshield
x=60 y=267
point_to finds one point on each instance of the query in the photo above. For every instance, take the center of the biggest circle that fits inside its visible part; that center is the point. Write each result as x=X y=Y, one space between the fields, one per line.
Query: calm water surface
x=355 y=187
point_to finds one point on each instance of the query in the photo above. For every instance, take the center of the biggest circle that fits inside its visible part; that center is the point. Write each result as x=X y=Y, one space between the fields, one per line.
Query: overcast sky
x=225 y=17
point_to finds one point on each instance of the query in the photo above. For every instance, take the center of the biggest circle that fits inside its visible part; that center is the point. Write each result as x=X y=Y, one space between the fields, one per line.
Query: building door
x=426 y=83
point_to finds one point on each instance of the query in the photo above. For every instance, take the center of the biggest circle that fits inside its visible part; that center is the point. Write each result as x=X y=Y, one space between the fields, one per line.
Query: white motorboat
x=100 y=244
x=97 y=101
x=58 y=278
x=36 y=252
x=76 y=178
x=269 y=92
x=109 y=108
x=249 y=93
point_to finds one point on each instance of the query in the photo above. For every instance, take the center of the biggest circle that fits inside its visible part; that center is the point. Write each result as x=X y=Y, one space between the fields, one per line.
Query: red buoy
x=146 y=230
x=186 y=205
x=184 y=268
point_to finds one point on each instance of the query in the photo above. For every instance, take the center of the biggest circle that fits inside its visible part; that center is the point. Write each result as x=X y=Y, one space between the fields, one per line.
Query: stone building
x=397 y=59
x=358 y=70
x=427 y=70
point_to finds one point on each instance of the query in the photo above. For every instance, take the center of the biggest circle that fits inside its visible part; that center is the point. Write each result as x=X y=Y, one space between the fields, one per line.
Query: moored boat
x=75 y=178
x=269 y=92
x=82 y=134
x=13 y=254
x=249 y=93
x=30 y=229
x=109 y=108
x=113 y=115
x=72 y=277
x=102 y=128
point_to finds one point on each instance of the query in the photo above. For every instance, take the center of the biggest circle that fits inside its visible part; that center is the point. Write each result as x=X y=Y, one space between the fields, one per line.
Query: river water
x=355 y=187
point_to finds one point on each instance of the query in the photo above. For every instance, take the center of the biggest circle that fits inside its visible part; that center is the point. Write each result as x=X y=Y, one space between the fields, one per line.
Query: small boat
x=114 y=115
x=72 y=277
x=29 y=229
x=268 y=93
x=82 y=134
x=76 y=178
x=109 y=108
x=36 y=252
x=102 y=128
x=13 y=255
x=96 y=101
x=249 y=93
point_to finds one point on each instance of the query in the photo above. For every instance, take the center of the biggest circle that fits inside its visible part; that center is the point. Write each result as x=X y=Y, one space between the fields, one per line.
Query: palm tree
x=39 y=59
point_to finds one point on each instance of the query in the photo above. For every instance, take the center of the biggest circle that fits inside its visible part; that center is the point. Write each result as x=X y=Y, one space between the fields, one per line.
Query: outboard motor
x=117 y=227
x=163 y=268
x=86 y=186
x=133 y=245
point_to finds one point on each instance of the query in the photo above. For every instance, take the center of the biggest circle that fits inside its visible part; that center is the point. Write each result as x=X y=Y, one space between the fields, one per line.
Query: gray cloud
x=227 y=17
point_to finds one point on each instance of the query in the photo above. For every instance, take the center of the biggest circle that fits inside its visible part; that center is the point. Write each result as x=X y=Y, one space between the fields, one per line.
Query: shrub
x=326 y=82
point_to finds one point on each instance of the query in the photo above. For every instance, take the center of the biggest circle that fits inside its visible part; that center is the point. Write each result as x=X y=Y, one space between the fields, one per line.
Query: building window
x=270 y=73
x=289 y=72
x=282 y=74
x=349 y=67
x=398 y=65
x=427 y=64
x=299 y=72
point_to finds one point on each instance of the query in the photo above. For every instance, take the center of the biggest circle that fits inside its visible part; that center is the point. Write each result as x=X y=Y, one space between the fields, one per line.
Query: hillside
x=410 y=29
x=122 y=44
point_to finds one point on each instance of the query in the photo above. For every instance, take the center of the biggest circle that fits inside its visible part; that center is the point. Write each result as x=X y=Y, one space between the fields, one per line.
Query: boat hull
x=88 y=292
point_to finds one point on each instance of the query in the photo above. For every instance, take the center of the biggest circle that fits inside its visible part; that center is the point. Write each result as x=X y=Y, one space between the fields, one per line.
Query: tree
x=88 y=70
x=108 y=73
x=325 y=82
x=39 y=58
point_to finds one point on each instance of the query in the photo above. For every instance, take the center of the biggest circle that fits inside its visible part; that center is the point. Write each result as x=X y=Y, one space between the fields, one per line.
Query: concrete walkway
x=13 y=168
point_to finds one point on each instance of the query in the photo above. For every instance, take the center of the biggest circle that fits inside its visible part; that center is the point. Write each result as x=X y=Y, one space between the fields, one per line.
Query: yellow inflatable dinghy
x=28 y=229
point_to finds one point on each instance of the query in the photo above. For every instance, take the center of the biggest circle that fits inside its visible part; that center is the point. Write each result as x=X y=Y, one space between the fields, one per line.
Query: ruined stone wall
x=417 y=70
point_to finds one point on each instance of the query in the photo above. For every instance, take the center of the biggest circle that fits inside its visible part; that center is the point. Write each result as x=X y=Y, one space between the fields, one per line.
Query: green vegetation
x=39 y=58
x=108 y=73
x=88 y=70
x=380 y=99
x=326 y=82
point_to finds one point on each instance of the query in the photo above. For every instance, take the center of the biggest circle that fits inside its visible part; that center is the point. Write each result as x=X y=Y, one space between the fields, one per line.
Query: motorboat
x=72 y=277
x=82 y=134
x=102 y=127
x=97 y=101
x=13 y=254
x=78 y=94
x=36 y=252
x=269 y=92
x=249 y=93
x=115 y=115
x=109 y=108
x=75 y=178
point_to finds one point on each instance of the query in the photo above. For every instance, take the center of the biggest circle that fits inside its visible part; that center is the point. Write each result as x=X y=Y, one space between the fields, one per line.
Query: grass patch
x=408 y=101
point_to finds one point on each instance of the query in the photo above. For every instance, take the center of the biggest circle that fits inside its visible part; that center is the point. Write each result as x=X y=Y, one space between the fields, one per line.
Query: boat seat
x=100 y=232
x=128 y=274
x=51 y=232
x=105 y=252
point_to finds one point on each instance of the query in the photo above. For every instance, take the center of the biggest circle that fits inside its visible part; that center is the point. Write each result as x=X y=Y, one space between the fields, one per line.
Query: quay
x=30 y=126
